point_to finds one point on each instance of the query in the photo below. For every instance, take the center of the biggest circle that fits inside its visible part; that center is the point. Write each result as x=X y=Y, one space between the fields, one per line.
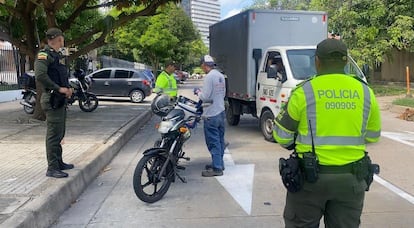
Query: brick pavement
x=30 y=199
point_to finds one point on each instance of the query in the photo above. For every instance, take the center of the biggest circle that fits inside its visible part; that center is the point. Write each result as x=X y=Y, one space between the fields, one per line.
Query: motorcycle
x=29 y=92
x=88 y=102
x=159 y=166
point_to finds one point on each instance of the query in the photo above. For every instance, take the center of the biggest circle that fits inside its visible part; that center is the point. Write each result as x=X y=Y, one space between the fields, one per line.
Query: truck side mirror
x=271 y=72
x=365 y=69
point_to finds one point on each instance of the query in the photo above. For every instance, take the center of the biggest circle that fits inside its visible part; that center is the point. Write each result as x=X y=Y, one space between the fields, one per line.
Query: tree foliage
x=170 y=35
x=84 y=26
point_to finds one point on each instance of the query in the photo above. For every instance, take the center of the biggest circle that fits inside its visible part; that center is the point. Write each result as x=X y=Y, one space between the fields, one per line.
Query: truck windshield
x=302 y=64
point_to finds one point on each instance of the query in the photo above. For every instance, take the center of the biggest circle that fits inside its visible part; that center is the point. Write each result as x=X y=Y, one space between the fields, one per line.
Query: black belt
x=348 y=168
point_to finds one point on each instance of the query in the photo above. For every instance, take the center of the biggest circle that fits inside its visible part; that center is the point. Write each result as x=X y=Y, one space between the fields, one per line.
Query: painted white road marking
x=404 y=138
x=238 y=181
x=394 y=189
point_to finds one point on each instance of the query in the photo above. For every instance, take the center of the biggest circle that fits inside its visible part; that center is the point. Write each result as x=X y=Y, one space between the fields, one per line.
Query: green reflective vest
x=342 y=112
x=166 y=84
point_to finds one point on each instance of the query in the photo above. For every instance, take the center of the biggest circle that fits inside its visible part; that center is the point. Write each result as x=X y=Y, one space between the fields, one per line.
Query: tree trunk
x=39 y=114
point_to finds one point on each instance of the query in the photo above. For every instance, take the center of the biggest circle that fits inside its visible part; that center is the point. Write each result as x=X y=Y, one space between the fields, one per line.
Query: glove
x=196 y=91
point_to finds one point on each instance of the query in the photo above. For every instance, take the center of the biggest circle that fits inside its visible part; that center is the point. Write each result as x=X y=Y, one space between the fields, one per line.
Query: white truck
x=245 y=47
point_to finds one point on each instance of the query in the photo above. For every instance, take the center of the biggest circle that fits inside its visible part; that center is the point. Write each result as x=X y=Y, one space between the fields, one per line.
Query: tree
x=27 y=20
x=168 y=35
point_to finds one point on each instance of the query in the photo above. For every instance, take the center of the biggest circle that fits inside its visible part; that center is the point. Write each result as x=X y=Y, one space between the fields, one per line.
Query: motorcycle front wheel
x=89 y=104
x=31 y=99
x=149 y=185
x=28 y=110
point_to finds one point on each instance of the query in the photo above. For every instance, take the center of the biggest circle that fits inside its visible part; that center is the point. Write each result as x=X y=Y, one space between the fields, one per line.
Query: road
x=250 y=194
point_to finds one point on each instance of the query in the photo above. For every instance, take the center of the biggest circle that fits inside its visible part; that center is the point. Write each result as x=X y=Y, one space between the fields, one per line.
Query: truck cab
x=281 y=70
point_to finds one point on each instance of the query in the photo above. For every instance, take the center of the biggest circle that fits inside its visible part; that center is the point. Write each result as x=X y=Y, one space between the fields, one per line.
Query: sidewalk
x=30 y=199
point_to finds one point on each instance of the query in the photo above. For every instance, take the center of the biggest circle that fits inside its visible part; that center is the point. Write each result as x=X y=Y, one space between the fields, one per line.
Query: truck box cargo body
x=238 y=43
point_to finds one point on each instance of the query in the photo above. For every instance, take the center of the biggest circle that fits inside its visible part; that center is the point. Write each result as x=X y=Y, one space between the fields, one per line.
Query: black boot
x=56 y=173
x=64 y=166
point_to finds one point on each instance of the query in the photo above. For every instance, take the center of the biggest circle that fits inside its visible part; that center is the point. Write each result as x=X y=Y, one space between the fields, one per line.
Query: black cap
x=53 y=33
x=172 y=63
x=332 y=49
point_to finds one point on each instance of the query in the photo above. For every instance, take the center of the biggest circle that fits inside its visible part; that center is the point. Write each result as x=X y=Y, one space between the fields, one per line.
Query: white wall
x=10 y=95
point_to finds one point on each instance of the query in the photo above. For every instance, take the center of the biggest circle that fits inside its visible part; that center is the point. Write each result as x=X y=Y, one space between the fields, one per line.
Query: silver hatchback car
x=121 y=82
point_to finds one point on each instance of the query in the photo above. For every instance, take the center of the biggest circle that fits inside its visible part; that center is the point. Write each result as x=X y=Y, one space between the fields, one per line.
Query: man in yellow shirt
x=166 y=82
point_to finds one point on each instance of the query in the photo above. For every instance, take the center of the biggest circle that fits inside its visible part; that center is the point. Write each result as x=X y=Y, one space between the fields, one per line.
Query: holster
x=291 y=173
x=57 y=100
x=364 y=169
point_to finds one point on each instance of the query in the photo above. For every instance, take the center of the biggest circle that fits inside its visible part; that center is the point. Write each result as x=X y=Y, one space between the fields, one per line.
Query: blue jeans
x=214 y=136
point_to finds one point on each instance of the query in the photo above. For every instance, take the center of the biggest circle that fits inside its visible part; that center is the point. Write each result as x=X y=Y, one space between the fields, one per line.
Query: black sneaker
x=64 y=166
x=212 y=172
x=56 y=173
x=208 y=166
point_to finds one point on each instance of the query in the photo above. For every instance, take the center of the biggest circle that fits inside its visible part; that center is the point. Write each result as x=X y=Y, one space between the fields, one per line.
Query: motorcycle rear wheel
x=89 y=104
x=147 y=185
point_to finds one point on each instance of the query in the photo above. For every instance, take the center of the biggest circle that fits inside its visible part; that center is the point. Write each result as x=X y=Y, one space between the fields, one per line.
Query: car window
x=123 y=74
x=102 y=74
x=140 y=74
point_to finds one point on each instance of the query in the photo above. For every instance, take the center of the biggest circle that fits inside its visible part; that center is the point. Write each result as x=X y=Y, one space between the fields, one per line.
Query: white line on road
x=394 y=189
x=238 y=181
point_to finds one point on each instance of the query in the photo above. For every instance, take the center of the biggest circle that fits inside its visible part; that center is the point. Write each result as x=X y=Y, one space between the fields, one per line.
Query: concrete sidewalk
x=30 y=199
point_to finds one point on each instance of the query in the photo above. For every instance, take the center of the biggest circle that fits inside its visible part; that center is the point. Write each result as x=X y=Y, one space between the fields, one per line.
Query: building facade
x=203 y=13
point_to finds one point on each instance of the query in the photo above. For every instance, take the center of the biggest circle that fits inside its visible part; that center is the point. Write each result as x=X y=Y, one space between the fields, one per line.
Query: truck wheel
x=266 y=125
x=232 y=119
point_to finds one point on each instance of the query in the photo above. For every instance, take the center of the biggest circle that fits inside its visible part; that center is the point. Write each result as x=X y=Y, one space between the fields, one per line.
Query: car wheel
x=137 y=96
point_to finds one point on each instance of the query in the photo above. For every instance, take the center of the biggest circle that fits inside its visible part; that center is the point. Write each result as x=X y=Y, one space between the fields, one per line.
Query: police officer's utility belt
x=295 y=171
x=348 y=168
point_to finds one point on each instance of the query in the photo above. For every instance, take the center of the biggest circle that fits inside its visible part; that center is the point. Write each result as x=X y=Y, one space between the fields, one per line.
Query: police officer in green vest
x=166 y=82
x=328 y=120
x=52 y=73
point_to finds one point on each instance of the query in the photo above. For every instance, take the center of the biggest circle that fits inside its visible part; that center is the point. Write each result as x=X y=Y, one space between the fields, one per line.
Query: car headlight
x=165 y=126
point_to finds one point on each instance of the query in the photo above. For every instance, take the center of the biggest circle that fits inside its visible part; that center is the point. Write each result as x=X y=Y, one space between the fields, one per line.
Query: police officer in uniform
x=52 y=73
x=338 y=114
x=166 y=82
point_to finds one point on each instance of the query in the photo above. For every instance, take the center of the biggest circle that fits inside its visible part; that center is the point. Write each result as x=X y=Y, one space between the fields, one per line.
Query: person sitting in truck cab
x=276 y=69
x=280 y=69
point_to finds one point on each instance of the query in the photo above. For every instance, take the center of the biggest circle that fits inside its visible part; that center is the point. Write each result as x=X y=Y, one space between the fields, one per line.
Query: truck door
x=269 y=91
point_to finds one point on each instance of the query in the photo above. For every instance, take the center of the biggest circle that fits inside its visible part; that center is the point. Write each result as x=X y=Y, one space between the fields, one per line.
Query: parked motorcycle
x=29 y=92
x=88 y=102
x=160 y=165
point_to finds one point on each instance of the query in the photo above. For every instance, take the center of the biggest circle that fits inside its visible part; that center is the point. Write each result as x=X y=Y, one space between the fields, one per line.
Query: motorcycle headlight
x=165 y=126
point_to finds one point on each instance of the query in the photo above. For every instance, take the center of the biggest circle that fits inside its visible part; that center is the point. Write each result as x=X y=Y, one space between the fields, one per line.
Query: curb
x=43 y=210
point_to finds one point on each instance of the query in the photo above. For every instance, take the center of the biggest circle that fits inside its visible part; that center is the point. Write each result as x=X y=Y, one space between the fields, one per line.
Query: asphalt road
x=250 y=194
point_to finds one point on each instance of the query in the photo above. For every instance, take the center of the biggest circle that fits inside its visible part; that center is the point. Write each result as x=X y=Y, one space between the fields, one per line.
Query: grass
x=5 y=87
x=392 y=90
x=388 y=90
x=407 y=101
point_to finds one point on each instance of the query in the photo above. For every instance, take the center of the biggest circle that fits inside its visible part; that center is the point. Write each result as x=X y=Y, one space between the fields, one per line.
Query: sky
x=232 y=7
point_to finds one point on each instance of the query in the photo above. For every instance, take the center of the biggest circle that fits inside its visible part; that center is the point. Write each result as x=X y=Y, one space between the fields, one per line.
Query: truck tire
x=232 y=119
x=266 y=125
